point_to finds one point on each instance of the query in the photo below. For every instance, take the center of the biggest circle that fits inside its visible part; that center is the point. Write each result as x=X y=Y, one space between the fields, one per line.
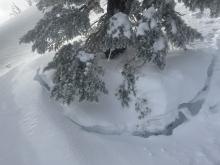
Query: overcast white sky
x=5 y=8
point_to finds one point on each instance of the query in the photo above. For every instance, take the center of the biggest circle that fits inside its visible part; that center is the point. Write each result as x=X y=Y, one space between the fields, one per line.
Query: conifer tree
x=147 y=26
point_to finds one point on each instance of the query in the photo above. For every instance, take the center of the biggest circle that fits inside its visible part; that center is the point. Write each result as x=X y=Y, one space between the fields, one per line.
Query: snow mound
x=85 y=57
x=119 y=25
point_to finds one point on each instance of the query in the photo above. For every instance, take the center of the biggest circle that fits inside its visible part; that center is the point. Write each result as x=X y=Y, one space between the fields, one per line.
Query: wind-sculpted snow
x=12 y=53
x=99 y=129
x=38 y=77
x=170 y=120
x=38 y=133
x=195 y=105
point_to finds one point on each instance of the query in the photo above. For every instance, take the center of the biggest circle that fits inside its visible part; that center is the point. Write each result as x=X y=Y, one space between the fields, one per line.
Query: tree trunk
x=115 y=6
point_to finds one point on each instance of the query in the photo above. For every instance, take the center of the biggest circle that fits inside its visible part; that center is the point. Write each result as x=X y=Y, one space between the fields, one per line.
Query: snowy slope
x=35 y=130
x=10 y=32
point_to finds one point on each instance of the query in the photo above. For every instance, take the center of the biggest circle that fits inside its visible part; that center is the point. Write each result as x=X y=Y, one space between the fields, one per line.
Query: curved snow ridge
x=110 y=129
x=113 y=130
x=122 y=130
x=195 y=105
x=179 y=116
x=100 y=129
x=88 y=117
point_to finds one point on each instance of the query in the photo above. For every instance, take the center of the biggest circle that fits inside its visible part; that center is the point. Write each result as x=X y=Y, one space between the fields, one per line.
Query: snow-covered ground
x=11 y=52
x=39 y=131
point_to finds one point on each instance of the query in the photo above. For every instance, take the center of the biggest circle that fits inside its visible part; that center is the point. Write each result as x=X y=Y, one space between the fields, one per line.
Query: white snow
x=12 y=53
x=119 y=20
x=142 y=28
x=151 y=22
x=149 y=13
x=85 y=57
x=159 y=44
x=174 y=28
x=36 y=130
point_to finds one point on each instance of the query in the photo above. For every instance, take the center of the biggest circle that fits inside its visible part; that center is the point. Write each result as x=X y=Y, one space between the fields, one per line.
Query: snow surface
x=36 y=130
x=11 y=52
x=142 y=28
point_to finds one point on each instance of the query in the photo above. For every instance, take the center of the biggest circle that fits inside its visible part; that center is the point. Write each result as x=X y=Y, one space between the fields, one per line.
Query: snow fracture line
x=194 y=106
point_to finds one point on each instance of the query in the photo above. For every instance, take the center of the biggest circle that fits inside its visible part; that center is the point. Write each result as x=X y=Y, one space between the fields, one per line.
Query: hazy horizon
x=5 y=8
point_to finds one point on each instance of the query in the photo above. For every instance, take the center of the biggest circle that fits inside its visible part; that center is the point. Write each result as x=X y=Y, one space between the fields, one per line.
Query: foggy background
x=5 y=8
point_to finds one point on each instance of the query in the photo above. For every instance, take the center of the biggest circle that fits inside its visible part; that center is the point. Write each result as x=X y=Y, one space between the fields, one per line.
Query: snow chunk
x=153 y=24
x=58 y=15
x=159 y=44
x=117 y=22
x=149 y=13
x=85 y=57
x=142 y=28
x=174 y=28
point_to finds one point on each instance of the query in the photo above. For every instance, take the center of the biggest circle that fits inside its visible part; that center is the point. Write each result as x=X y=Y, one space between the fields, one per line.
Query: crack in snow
x=193 y=107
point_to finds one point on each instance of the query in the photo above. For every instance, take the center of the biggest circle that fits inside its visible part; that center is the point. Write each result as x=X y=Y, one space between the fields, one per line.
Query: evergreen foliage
x=127 y=88
x=58 y=26
x=77 y=75
x=213 y=5
x=148 y=26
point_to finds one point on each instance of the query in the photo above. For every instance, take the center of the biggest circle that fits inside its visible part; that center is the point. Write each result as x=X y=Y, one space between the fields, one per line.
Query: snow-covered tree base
x=148 y=27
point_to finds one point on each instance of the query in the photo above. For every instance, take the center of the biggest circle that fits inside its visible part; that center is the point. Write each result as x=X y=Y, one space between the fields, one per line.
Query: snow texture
x=36 y=130
x=149 y=23
x=142 y=28
x=117 y=22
